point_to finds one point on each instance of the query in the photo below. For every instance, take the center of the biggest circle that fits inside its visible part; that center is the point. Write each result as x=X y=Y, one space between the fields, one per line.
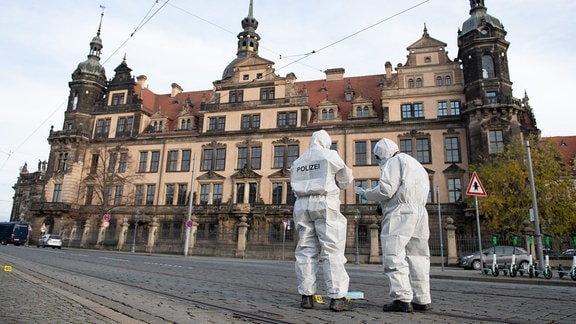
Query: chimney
x=141 y=81
x=334 y=74
x=176 y=89
x=388 y=67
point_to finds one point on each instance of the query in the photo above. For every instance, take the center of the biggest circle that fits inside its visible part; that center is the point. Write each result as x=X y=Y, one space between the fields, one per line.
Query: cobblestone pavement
x=28 y=299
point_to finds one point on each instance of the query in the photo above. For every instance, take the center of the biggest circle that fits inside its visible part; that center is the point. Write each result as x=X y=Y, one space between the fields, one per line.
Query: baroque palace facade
x=121 y=169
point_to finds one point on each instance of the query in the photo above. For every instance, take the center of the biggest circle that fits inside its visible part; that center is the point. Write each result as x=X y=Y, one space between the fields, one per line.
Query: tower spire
x=248 y=39
x=96 y=43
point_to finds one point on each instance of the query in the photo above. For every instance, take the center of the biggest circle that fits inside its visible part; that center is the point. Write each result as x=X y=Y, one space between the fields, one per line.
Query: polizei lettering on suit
x=309 y=167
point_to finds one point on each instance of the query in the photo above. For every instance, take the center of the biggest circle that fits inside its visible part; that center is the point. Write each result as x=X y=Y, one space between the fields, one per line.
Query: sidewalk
x=455 y=273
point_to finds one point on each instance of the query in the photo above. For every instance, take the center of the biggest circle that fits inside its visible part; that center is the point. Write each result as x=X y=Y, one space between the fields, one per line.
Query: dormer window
x=328 y=114
x=362 y=112
x=348 y=96
x=117 y=99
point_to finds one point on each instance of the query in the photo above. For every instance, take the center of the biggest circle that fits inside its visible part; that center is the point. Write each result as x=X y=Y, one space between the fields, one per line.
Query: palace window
x=172 y=163
x=496 y=141
x=236 y=96
x=454 y=190
x=267 y=93
x=139 y=195
x=124 y=126
x=56 y=195
x=102 y=128
x=185 y=162
x=118 y=194
x=169 y=194
x=419 y=83
x=442 y=108
x=213 y=159
x=286 y=119
x=418 y=147
x=216 y=124
x=487 y=66
x=117 y=99
x=123 y=162
x=361 y=153
x=154 y=161
x=452 y=149
x=250 y=122
x=412 y=111
x=438 y=81
x=150 y=192
x=285 y=155
x=249 y=157
x=182 y=192
x=143 y=162
x=112 y=162
x=454 y=108
x=282 y=193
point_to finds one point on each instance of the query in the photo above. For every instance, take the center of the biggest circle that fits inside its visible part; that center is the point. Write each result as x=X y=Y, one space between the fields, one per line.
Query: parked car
x=567 y=253
x=50 y=240
x=503 y=256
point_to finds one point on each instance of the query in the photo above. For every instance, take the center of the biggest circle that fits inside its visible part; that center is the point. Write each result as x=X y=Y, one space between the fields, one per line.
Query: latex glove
x=360 y=191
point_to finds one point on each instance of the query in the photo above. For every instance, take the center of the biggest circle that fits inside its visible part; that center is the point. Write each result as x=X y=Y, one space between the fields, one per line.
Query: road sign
x=189 y=223
x=106 y=217
x=475 y=187
x=105 y=224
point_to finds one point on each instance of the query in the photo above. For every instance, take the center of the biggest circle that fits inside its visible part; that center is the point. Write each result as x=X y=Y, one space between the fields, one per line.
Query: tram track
x=209 y=282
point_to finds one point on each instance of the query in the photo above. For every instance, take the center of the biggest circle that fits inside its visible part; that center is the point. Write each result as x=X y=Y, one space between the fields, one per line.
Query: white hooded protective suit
x=402 y=191
x=316 y=179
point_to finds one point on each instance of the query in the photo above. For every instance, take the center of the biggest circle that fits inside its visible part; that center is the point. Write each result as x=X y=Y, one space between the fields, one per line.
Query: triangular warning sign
x=475 y=187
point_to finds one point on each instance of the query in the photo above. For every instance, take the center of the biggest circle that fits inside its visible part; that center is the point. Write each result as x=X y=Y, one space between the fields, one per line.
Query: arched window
x=410 y=83
x=448 y=80
x=331 y=114
x=419 y=83
x=75 y=101
x=487 y=66
x=438 y=81
x=366 y=112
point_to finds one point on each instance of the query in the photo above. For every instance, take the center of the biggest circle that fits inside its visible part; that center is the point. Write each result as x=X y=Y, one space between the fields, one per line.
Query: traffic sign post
x=475 y=188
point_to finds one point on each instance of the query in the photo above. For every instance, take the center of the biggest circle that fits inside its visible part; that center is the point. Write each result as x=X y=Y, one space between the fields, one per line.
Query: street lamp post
x=136 y=217
x=356 y=221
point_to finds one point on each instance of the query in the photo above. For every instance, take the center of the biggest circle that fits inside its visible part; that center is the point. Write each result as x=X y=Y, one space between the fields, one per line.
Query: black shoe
x=307 y=302
x=340 y=304
x=421 y=307
x=398 y=306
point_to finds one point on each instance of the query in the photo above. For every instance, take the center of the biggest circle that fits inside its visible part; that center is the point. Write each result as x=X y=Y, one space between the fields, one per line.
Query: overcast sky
x=190 y=42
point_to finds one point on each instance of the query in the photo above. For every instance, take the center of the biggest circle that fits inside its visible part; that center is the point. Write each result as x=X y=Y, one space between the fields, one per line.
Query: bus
x=13 y=233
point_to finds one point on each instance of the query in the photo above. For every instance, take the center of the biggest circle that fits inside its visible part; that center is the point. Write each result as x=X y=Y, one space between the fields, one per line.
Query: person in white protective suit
x=316 y=179
x=402 y=192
